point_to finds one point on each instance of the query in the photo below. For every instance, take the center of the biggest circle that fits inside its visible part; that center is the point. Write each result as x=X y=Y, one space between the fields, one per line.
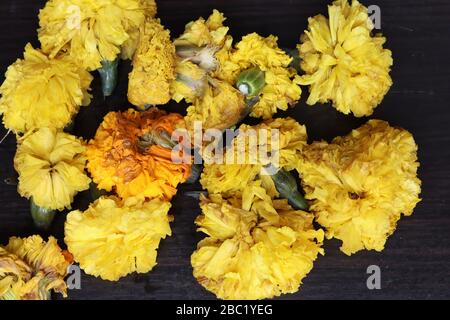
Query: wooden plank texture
x=416 y=261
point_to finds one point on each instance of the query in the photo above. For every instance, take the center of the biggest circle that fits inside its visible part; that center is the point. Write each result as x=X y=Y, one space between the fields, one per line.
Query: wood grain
x=416 y=261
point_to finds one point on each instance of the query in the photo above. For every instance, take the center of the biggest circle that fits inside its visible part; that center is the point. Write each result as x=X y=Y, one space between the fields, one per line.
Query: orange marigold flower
x=132 y=154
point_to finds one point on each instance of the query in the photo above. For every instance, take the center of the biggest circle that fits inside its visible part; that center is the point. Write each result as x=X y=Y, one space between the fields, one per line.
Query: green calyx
x=42 y=217
x=109 y=75
x=286 y=185
x=251 y=82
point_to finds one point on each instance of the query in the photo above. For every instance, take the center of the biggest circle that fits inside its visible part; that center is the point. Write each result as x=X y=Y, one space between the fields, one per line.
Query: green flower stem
x=288 y=189
x=109 y=75
x=42 y=217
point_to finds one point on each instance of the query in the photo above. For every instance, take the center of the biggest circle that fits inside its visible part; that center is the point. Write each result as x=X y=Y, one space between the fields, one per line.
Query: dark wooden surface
x=416 y=261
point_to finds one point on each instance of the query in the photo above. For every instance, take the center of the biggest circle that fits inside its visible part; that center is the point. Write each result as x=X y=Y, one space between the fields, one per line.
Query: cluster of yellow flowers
x=260 y=238
x=130 y=155
x=47 y=87
x=258 y=246
x=43 y=92
x=358 y=187
x=210 y=67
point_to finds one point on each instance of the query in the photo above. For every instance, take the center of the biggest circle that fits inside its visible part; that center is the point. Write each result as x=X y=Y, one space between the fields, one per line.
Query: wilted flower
x=196 y=49
x=220 y=107
x=31 y=268
x=281 y=82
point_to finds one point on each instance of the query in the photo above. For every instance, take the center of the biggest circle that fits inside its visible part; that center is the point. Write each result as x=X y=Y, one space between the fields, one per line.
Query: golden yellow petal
x=153 y=66
x=362 y=183
x=343 y=62
x=51 y=168
x=40 y=91
x=249 y=254
x=113 y=238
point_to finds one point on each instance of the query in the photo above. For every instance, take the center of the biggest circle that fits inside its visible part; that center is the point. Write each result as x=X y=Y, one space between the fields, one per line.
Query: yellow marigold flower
x=42 y=92
x=241 y=168
x=132 y=153
x=343 y=62
x=360 y=184
x=197 y=48
x=93 y=30
x=220 y=107
x=282 y=82
x=256 y=248
x=113 y=238
x=31 y=268
x=153 y=66
x=51 y=164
